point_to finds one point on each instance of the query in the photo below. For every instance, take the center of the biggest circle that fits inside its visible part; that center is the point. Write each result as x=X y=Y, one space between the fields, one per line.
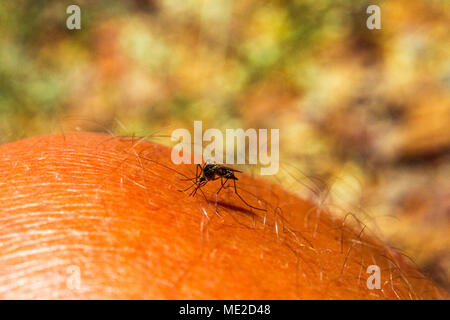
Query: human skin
x=98 y=217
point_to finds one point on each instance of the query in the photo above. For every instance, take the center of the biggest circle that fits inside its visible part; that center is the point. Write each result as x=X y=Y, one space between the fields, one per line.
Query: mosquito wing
x=230 y=169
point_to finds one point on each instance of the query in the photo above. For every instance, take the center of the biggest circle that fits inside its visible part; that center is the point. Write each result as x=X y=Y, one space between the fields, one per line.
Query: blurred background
x=364 y=111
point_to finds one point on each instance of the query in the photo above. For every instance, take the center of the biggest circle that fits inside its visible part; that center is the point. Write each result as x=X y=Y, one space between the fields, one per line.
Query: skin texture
x=93 y=216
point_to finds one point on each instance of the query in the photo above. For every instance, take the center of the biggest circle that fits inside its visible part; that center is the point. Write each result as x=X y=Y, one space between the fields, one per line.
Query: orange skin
x=109 y=208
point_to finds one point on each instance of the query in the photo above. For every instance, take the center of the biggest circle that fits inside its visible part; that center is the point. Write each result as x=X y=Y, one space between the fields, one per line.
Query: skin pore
x=98 y=217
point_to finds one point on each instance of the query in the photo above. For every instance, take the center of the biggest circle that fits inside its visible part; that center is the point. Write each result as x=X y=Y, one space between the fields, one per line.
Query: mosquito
x=210 y=172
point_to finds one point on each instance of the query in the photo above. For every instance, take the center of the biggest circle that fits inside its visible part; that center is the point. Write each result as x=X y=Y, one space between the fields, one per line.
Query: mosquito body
x=214 y=171
x=210 y=172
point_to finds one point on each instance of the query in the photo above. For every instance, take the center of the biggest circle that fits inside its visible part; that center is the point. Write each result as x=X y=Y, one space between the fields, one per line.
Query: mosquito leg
x=194 y=191
x=222 y=184
x=235 y=191
x=188 y=179
x=193 y=184
x=191 y=179
x=204 y=196
x=196 y=171
x=199 y=185
x=197 y=176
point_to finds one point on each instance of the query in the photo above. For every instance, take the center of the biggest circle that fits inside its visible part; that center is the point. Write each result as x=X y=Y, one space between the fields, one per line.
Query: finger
x=86 y=216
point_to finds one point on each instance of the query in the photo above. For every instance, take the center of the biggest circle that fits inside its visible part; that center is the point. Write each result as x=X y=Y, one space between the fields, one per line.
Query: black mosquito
x=210 y=172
